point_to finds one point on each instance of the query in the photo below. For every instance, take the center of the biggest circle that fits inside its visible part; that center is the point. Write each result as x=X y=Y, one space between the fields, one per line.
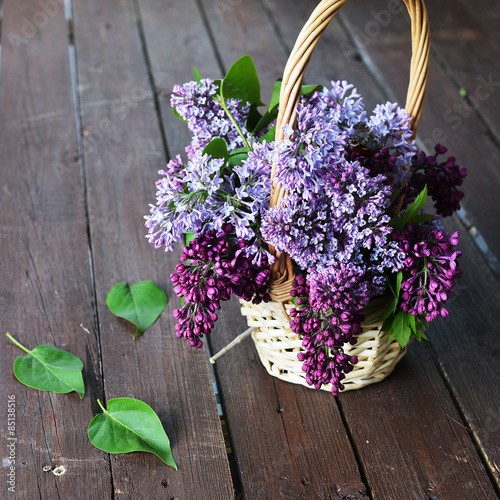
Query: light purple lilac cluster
x=336 y=209
x=206 y=193
x=206 y=119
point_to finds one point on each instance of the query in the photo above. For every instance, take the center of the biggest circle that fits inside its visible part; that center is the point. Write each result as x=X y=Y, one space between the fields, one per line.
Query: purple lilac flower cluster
x=206 y=119
x=206 y=193
x=441 y=179
x=430 y=268
x=213 y=267
x=324 y=329
x=336 y=210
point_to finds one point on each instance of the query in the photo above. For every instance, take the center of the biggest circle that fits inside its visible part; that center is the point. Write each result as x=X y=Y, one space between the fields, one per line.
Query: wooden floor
x=86 y=124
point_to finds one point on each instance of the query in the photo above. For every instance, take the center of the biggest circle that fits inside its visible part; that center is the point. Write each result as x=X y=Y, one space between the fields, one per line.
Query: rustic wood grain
x=469 y=324
x=123 y=150
x=172 y=59
x=472 y=59
x=288 y=441
x=45 y=281
x=242 y=28
x=431 y=430
x=468 y=347
x=452 y=334
x=410 y=437
x=487 y=13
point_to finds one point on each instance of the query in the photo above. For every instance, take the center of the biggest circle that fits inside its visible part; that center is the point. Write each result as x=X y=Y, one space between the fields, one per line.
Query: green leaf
x=412 y=323
x=254 y=119
x=268 y=117
x=412 y=213
x=48 y=368
x=397 y=192
x=238 y=156
x=242 y=82
x=130 y=425
x=177 y=115
x=421 y=218
x=269 y=135
x=217 y=148
x=140 y=303
x=399 y=280
x=309 y=89
x=401 y=329
x=387 y=324
x=197 y=75
x=275 y=97
x=272 y=110
x=391 y=309
x=189 y=237
x=419 y=333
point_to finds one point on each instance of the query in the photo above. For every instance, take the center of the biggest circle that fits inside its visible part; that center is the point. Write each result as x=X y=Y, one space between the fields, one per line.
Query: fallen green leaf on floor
x=48 y=368
x=140 y=303
x=130 y=425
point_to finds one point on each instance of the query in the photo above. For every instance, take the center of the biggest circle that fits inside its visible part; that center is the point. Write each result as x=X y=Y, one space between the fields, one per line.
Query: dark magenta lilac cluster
x=213 y=267
x=441 y=179
x=346 y=175
x=324 y=329
x=431 y=270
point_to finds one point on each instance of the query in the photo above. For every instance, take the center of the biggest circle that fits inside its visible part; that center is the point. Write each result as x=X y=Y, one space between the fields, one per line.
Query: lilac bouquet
x=352 y=219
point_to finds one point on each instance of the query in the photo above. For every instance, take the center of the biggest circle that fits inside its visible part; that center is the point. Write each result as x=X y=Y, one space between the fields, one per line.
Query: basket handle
x=282 y=272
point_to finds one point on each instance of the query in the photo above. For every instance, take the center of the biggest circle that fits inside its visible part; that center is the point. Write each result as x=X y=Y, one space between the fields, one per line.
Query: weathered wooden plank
x=188 y=47
x=288 y=441
x=241 y=28
x=45 y=282
x=122 y=152
x=481 y=187
x=487 y=13
x=453 y=332
x=275 y=473
x=471 y=58
x=467 y=344
x=410 y=437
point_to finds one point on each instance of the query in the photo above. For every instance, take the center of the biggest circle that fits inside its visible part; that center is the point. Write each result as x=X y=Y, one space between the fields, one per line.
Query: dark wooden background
x=85 y=125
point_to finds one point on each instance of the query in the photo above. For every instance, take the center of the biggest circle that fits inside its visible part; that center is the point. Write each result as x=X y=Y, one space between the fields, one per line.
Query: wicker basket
x=275 y=342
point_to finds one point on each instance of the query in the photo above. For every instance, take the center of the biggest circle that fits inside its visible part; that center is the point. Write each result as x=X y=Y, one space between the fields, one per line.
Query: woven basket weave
x=276 y=344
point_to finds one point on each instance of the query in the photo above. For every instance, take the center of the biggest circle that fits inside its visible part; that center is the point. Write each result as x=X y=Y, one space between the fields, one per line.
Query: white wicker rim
x=278 y=346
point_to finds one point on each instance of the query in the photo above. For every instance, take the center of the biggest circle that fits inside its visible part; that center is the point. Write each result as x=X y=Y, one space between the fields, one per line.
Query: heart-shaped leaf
x=217 y=148
x=130 y=425
x=49 y=368
x=242 y=82
x=140 y=303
